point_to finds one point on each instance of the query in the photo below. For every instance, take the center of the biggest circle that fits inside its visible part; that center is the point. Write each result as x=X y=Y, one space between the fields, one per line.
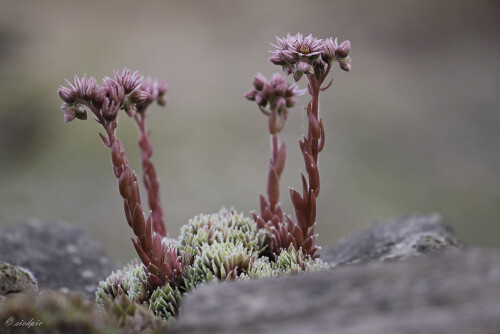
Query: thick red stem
x=305 y=205
x=150 y=178
x=315 y=111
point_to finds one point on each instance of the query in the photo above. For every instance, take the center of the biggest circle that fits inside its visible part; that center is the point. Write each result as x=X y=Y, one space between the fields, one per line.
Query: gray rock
x=404 y=237
x=14 y=280
x=61 y=256
x=454 y=291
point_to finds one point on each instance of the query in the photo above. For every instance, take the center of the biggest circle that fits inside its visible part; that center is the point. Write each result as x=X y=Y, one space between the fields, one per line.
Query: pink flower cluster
x=128 y=91
x=301 y=55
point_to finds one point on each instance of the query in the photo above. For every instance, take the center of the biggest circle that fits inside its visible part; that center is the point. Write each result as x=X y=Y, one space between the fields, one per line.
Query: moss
x=16 y=279
x=58 y=313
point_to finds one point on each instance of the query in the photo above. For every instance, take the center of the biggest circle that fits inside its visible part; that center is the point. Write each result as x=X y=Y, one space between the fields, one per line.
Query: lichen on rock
x=14 y=280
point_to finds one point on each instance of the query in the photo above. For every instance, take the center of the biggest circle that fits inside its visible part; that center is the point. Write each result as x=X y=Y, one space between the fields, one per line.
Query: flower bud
x=129 y=81
x=305 y=67
x=130 y=109
x=66 y=94
x=69 y=115
x=161 y=101
x=345 y=64
x=260 y=99
x=280 y=102
x=80 y=112
x=276 y=59
x=99 y=97
x=251 y=95
x=289 y=57
x=290 y=102
x=91 y=89
x=139 y=96
x=114 y=91
x=276 y=79
x=162 y=88
x=280 y=90
x=328 y=51
x=109 y=110
x=343 y=50
x=258 y=81
x=267 y=91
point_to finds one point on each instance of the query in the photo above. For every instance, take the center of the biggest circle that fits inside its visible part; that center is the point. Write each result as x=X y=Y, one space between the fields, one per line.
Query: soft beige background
x=413 y=128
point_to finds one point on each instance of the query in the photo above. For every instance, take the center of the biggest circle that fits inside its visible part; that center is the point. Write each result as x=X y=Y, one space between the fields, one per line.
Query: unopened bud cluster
x=156 y=92
x=276 y=93
x=299 y=55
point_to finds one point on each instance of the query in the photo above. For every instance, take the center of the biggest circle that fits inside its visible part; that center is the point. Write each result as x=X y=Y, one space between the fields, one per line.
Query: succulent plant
x=221 y=262
x=292 y=261
x=130 y=281
x=165 y=302
x=262 y=268
x=132 y=317
x=225 y=245
x=222 y=227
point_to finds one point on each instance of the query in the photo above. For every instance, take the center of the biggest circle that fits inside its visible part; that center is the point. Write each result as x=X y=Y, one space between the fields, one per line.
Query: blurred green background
x=413 y=128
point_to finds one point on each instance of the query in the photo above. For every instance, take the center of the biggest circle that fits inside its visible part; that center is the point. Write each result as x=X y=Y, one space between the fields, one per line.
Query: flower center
x=304 y=49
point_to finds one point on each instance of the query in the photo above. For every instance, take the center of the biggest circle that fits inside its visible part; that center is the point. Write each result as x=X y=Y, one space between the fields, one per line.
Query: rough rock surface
x=61 y=256
x=14 y=280
x=399 y=238
x=454 y=291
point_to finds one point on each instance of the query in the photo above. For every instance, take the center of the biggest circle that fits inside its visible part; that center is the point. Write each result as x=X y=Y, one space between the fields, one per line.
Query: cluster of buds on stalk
x=273 y=98
x=313 y=58
x=129 y=92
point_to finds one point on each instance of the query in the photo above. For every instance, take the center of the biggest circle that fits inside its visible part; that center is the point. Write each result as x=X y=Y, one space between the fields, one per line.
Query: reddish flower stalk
x=149 y=176
x=314 y=58
x=160 y=260
x=280 y=96
x=156 y=92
